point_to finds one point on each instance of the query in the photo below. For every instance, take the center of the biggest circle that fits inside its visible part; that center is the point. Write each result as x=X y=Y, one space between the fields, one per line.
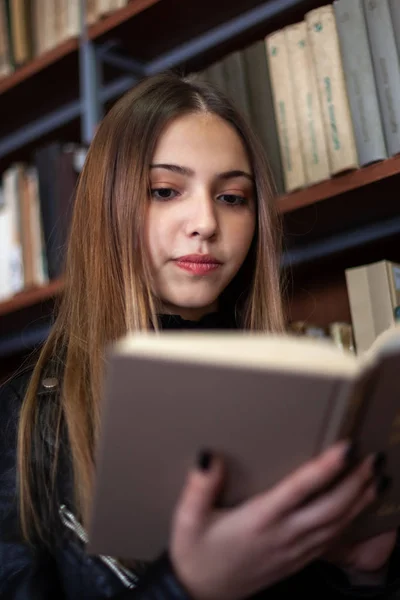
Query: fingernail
x=204 y=460
x=383 y=484
x=379 y=462
x=351 y=454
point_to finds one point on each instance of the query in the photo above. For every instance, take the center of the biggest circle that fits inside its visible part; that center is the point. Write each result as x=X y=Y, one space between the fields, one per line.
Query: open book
x=267 y=403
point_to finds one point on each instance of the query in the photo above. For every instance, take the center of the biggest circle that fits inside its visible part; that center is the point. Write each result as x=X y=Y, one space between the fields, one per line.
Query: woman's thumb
x=201 y=492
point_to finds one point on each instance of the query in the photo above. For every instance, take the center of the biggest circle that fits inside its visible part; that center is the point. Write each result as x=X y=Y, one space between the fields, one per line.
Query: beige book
x=342 y=336
x=73 y=18
x=374 y=295
x=5 y=63
x=324 y=42
x=39 y=266
x=307 y=104
x=25 y=202
x=285 y=113
x=120 y=3
x=60 y=23
x=15 y=257
x=265 y=403
x=49 y=27
x=105 y=7
x=92 y=11
x=6 y=290
x=20 y=30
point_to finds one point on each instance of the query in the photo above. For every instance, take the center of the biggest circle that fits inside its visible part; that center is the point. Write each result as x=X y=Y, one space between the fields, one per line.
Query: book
x=5 y=43
x=324 y=42
x=20 y=13
x=235 y=81
x=360 y=81
x=12 y=200
x=374 y=295
x=266 y=403
x=262 y=108
x=342 y=336
x=57 y=178
x=307 y=104
x=6 y=241
x=386 y=68
x=285 y=112
x=395 y=14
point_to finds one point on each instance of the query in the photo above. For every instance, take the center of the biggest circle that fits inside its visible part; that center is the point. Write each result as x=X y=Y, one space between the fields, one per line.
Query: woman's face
x=202 y=213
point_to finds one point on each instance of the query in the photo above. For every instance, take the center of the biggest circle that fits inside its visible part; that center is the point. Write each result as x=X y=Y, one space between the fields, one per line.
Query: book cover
x=360 y=81
x=374 y=295
x=266 y=403
x=5 y=59
x=262 y=108
x=285 y=112
x=307 y=103
x=235 y=81
x=395 y=14
x=386 y=68
x=324 y=42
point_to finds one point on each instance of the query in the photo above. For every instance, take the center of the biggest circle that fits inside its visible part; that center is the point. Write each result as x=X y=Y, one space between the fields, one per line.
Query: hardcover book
x=266 y=403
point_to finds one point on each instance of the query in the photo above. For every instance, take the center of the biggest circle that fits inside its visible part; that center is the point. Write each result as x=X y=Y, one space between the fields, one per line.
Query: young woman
x=173 y=227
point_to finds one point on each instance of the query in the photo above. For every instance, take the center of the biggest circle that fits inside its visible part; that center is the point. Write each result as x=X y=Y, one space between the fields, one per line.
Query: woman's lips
x=198 y=264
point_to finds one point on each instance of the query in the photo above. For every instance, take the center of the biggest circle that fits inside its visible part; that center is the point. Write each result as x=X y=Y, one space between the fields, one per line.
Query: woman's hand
x=230 y=554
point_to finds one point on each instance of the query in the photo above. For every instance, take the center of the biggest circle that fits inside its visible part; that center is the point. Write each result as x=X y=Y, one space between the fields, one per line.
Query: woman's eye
x=163 y=193
x=232 y=199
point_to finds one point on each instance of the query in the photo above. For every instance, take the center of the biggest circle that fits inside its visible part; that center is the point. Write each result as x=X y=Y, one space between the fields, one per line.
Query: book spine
x=73 y=18
x=215 y=74
x=5 y=248
x=38 y=246
x=236 y=84
x=324 y=41
x=92 y=11
x=20 y=18
x=360 y=81
x=16 y=269
x=395 y=13
x=285 y=113
x=5 y=62
x=386 y=68
x=262 y=108
x=49 y=40
x=307 y=104
x=25 y=203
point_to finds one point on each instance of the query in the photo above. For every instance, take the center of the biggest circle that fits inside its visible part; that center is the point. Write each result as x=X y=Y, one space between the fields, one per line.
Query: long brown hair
x=107 y=289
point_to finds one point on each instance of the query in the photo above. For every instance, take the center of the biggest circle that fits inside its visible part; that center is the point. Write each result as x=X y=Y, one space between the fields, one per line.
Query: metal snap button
x=50 y=383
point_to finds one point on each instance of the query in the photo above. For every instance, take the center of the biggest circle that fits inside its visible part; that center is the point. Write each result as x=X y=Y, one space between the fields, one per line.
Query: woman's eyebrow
x=175 y=169
x=189 y=172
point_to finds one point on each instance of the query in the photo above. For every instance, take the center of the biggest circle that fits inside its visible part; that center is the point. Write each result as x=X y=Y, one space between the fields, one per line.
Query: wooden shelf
x=31 y=297
x=339 y=185
x=38 y=64
x=119 y=16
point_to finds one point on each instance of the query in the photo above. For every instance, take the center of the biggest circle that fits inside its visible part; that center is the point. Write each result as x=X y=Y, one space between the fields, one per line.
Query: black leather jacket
x=67 y=571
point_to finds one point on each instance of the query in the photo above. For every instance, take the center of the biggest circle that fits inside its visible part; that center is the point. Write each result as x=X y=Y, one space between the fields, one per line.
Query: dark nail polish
x=379 y=462
x=204 y=460
x=351 y=454
x=383 y=484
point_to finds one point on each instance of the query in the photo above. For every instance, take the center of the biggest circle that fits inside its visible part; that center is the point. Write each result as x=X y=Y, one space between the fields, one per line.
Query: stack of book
x=28 y=28
x=35 y=210
x=323 y=94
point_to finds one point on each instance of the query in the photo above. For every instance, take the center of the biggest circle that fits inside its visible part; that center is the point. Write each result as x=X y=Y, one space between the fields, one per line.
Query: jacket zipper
x=128 y=578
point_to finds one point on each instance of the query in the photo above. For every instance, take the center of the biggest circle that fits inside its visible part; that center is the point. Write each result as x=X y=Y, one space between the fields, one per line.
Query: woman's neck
x=190 y=313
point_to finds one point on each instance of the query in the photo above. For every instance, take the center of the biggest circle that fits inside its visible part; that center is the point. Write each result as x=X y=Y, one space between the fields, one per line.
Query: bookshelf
x=328 y=226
